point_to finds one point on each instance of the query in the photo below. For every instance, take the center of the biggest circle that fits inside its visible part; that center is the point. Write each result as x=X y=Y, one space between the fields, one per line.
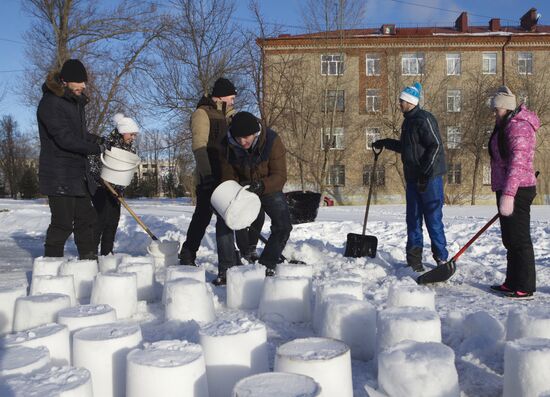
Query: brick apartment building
x=330 y=94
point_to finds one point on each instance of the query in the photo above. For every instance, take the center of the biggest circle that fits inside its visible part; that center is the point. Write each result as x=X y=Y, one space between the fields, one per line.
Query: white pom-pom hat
x=125 y=125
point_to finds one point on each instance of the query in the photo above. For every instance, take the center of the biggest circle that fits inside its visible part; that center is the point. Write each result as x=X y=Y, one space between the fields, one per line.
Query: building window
x=486 y=174
x=336 y=175
x=333 y=100
x=489 y=65
x=334 y=138
x=373 y=100
x=453 y=101
x=332 y=65
x=373 y=65
x=454 y=137
x=373 y=134
x=525 y=63
x=453 y=64
x=454 y=174
x=412 y=64
x=379 y=176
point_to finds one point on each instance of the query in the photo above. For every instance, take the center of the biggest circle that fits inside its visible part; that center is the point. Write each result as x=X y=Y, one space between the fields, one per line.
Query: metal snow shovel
x=444 y=271
x=359 y=245
x=282 y=257
x=134 y=215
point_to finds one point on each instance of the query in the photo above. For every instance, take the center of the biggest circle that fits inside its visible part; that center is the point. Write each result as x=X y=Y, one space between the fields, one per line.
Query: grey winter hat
x=504 y=99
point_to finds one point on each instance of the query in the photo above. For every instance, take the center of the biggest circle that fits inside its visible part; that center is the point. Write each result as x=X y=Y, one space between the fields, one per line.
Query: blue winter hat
x=411 y=94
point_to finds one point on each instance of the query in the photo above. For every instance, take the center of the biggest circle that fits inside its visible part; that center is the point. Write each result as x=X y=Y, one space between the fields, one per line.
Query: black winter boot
x=187 y=257
x=220 y=280
x=414 y=259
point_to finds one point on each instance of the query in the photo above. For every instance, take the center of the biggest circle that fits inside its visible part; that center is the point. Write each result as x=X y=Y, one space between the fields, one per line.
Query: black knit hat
x=73 y=71
x=244 y=124
x=223 y=87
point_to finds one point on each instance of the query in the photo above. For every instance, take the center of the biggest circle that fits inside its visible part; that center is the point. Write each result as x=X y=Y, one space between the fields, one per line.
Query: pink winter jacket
x=517 y=170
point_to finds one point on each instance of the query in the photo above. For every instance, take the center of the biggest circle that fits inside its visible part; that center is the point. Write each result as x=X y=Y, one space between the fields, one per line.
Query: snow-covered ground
x=479 y=354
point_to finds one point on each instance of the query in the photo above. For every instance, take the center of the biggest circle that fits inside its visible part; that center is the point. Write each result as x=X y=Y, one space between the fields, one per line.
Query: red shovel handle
x=481 y=231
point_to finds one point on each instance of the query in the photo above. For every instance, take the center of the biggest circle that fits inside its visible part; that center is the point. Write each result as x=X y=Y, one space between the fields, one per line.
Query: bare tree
x=111 y=42
x=13 y=153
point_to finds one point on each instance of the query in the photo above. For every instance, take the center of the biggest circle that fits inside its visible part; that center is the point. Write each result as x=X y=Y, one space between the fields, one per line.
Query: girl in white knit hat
x=107 y=207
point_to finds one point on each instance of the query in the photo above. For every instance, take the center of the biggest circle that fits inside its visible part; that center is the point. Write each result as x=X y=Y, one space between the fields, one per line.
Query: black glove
x=208 y=183
x=256 y=187
x=422 y=183
x=381 y=143
x=104 y=144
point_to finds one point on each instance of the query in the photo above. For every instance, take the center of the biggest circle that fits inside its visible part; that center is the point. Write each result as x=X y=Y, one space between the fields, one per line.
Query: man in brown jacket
x=255 y=156
x=209 y=124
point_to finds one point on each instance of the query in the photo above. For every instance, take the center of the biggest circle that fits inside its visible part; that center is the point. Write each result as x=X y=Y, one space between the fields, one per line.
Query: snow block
x=126 y=259
x=325 y=289
x=84 y=272
x=277 y=384
x=47 y=266
x=534 y=322
x=8 y=296
x=54 y=337
x=18 y=360
x=411 y=295
x=54 y=284
x=244 y=286
x=167 y=369
x=418 y=369
x=397 y=324
x=326 y=360
x=118 y=290
x=144 y=278
x=294 y=270
x=286 y=299
x=188 y=299
x=109 y=263
x=233 y=349
x=83 y=316
x=353 y=322
x=32 y=311
x=55 y=382
x=102 y=349
x=526 y=367
x=184 y=271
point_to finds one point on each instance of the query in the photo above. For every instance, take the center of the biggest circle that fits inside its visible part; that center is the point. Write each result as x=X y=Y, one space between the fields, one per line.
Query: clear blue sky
x=14 y=22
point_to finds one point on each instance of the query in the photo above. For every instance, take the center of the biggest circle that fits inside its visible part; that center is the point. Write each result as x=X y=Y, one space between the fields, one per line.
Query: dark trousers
x=200 y=221
x=70 y=214
x=516 y=237
x=427 y=206
x=275 y=206
x=107 y=209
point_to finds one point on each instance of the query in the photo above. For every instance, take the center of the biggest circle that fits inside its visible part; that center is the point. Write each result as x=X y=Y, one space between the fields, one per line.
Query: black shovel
x=444 y=271
x=359 y=245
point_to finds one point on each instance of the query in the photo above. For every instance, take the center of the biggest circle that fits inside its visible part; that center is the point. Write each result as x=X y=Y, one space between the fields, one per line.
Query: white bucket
x=119 y=166
x=236 y=205
x=163 y=248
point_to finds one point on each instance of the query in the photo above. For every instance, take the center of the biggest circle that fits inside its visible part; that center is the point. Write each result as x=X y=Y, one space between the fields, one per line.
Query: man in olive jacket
x=423 y=159
x=63 y=173
x=255 y=156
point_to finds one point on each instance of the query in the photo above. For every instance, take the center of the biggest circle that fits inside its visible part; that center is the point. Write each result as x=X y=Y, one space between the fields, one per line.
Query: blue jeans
x=276 y=207
x=427 y=205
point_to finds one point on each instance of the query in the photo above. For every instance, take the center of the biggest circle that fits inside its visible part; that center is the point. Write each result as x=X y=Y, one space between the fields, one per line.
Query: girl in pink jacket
x=512 y=151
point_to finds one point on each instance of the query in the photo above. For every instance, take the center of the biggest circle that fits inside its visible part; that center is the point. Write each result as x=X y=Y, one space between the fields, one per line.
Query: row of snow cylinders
x=527 y=352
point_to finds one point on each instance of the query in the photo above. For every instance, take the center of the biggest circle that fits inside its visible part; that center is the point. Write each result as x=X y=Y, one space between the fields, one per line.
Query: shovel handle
x=134 y=215
x=479 y=233
x=372 y=178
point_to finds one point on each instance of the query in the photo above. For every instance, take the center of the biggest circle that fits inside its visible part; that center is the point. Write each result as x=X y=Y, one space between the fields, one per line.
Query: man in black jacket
x=63 y=173
x=424 y=166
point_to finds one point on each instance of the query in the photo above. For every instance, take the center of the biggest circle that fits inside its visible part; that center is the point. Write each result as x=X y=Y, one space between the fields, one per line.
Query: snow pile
x=286 y=299
x=522 y=323
x=118 y=290
x=84 y=272
x=167 y=369
x=233 y=349
x=8 y=296
x=18 y=360
x=326 y=360
x=277 y=384
x=53 y=336
x=32 y=311
x=418 y=369
x=244 y=286
x=102 y=350
x=402 y=294
x=55 y=382
x=188 y=299
x=54 y=284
